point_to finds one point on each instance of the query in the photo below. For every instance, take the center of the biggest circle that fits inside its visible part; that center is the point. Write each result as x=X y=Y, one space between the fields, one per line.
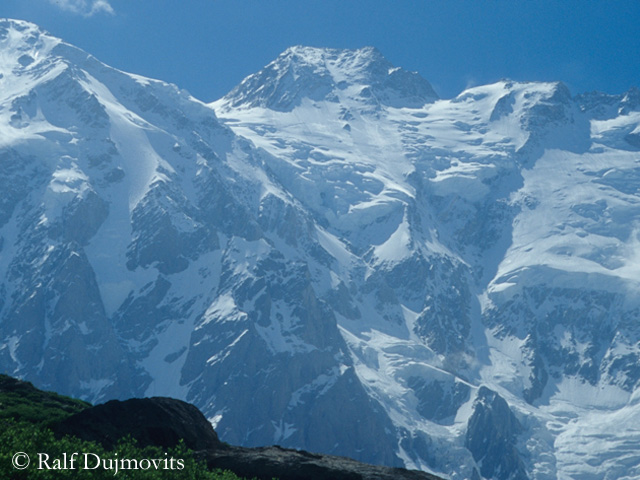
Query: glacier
x=330 y=257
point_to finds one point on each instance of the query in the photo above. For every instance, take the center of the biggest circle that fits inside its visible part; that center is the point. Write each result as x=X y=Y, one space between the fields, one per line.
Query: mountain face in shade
x=330 y=257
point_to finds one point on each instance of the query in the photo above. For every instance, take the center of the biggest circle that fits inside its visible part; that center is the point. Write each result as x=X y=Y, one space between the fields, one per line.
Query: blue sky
x=208 y=46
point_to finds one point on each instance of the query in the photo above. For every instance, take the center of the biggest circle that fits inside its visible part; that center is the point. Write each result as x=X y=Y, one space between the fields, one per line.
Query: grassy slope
x=23 y=402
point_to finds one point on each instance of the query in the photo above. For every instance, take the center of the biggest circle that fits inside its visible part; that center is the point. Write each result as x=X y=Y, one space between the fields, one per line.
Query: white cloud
x=86 y=8
x=471 y=82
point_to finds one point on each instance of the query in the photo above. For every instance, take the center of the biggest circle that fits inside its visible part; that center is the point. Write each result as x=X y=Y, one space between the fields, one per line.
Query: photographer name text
x=93 y=461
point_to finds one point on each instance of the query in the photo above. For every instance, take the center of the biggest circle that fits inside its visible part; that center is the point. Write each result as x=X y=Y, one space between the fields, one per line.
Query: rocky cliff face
x=329 y=257
x=492 y=435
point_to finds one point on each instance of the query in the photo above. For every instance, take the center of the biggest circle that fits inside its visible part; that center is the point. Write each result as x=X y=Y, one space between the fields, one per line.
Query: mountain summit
x=317 y=74
x=330 y=257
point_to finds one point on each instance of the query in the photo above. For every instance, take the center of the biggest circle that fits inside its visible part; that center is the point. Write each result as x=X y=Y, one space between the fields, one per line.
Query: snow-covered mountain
x=330 y=257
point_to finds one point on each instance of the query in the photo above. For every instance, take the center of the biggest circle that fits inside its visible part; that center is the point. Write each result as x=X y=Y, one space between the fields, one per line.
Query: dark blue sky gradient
x=208 y=46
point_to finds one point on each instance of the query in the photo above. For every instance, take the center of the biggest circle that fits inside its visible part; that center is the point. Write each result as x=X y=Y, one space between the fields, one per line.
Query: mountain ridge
x=403 y=268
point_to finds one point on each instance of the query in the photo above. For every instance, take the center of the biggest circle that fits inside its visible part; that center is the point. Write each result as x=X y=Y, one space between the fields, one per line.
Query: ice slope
x=62 y=121
x=100 y=143
x=492 y=241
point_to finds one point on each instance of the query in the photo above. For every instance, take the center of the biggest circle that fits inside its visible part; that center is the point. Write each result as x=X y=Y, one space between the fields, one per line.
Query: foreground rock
x=155 y=421
x=285 y=464
x=164 y=421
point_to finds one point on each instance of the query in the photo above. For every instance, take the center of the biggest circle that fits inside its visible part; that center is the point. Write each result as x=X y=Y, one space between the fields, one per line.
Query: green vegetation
x=21 y=401
x=26 y=414
x=51 y=458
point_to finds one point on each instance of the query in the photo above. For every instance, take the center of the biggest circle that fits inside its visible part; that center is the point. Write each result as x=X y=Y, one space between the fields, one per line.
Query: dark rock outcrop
x=151 y=421
x=492 y=437
x=285 y=464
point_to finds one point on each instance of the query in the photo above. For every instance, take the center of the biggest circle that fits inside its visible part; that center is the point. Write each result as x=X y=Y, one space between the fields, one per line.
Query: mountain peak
x=302 y=54
x=328 y=74
x=7 y=24
x=24 y=40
